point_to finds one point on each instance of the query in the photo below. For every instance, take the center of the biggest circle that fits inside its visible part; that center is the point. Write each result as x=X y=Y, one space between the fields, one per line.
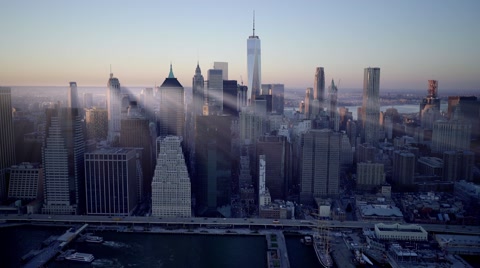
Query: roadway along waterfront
x=221 y=223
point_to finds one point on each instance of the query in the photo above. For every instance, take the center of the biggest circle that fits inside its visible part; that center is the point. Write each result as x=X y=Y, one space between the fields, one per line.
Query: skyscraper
x=198 y=87
x=451 y=135
x=63 y=161
x=308 y=103
x=222 y=66
x=171 y=117
x=213 y=163
x=254 y=67
x=403 y=172
x=137 y=132
x=7 y=141
x=111 y=181
x=319 y=86
x=430 y=106
x=332 y=107
x=215 y=91
x=371 y=105
x=319 y=164
x=73 y=96
x=275 y=151
x=171 y=188
x=114 y=108
x=230 y=91
x=97 y=123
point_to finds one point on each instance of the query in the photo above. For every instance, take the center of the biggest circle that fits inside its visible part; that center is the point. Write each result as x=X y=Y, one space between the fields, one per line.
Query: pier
x=43 y=256
x=277 y=255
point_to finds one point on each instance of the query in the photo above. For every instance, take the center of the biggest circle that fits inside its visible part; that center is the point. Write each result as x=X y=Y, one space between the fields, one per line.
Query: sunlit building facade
x=171 y=187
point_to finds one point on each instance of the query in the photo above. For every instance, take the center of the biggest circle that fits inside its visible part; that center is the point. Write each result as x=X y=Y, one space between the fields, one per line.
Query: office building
x=365 y=153
x=136 y=131
x=96 y=121
x=222 y=66
x=451 y=135
x=319 y=87
x=230 y=93
x=171 y=188
x=26 y=182
x=430 y=166
x=215 y=92
x=198 y=94
x=466 y=108
x=72 y=98
x=21 y=127
x=114 y=108
x=263 y=193
x=332 y=107
x=308 y=103
x=111 y=181
x=147 y=103
x=7 y=140
x=242 y=98
x=319 y=164
x=213 y=164
x=277 y=91
x=370 y=175
x=371 y=105
x=63 y=162
x=458 y=165
x=403 y=171
x=87 y=100
x=171 y=117
x=430 y=106
x=254 y=65
x=275 y=151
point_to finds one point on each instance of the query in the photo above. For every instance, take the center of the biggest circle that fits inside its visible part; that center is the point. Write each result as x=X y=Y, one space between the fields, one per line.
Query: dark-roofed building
x=171 y=116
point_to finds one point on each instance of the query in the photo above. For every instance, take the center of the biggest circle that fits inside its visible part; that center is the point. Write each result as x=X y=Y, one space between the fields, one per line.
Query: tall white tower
x=114 y=107
x=254 y=64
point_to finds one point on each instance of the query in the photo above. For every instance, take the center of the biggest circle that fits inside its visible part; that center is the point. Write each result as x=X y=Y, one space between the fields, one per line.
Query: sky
x=50 y=43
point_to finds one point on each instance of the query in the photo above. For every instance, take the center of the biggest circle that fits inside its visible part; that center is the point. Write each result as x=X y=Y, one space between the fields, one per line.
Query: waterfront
x=143 y=250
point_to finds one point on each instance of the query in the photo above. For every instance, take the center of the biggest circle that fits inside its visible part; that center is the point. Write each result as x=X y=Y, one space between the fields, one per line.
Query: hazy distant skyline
x=55 y=42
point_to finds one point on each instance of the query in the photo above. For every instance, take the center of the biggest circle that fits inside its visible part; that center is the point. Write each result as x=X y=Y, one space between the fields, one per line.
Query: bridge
x=221 y=223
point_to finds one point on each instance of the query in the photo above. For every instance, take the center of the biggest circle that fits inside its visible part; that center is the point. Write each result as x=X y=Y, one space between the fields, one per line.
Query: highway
x=252 y=223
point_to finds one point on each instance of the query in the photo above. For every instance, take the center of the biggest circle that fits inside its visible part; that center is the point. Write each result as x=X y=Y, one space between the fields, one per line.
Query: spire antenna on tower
x=254 y=23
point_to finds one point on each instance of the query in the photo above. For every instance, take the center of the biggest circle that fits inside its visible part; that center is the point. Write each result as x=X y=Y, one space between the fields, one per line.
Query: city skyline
x=52 y=43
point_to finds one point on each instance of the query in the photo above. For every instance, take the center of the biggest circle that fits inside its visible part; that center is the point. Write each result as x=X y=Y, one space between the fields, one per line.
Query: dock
x=277 y=255
x=341 y=254
x=46 y=254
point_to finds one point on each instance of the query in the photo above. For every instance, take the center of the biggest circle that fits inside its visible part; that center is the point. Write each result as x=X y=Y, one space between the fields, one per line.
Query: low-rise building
x=398 y=232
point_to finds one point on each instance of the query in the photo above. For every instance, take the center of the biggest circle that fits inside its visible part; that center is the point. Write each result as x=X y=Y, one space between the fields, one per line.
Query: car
x=276 y=221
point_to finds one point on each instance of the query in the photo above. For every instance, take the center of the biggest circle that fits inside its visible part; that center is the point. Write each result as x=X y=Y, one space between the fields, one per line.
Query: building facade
x=7 y=140
x=171 y=187
x=111 y=181
x=96 y=121
x=26 y=182
x=319 y=164
x=451 y=135
x=114 y=108
x=171 y=116
x=371 y=105
x=63 y=159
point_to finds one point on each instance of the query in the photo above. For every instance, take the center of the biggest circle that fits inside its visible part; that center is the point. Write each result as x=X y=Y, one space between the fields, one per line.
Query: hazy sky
x=54 y=42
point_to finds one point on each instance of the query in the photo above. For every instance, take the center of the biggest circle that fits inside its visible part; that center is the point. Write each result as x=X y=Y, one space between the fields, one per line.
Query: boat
x=93 y=239
x=322 y=248
x=81 y=257
x=360 y=259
